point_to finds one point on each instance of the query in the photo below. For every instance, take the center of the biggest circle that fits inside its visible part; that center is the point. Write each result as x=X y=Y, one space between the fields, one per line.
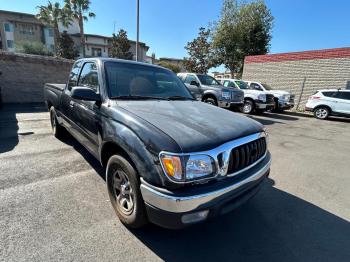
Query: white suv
x=328 y=102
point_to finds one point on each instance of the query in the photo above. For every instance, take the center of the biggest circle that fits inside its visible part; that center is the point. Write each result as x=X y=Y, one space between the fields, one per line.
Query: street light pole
x=137 y=28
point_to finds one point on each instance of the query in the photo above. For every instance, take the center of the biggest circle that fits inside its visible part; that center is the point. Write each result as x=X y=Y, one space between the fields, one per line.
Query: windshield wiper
x=133 y=97
x=179 y=98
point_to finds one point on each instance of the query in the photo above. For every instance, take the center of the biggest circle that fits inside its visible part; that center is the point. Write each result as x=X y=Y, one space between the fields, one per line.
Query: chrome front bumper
x=264 y=105
x=162 y=200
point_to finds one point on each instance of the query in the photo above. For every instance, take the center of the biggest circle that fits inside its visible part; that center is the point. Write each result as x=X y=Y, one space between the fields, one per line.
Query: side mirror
x=194 y=83
x=85 y=93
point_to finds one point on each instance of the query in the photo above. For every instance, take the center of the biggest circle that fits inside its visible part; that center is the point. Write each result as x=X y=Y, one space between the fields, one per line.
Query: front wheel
x=248 y=107
x=124 y=192
x=321 y=113
x=211 y=101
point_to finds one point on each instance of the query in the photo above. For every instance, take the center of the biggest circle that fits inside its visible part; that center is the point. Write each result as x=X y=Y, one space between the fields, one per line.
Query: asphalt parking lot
x=54 y=205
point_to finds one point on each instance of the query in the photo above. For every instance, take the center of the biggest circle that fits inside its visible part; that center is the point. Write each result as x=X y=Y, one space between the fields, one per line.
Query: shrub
x=34 y=48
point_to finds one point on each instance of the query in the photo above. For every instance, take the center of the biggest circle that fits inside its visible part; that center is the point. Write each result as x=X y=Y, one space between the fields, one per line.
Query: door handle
x=71 y=103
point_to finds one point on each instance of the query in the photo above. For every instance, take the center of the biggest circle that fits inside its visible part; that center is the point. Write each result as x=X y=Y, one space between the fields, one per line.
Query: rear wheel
x=248 y=107
x=321 y=113
x=124 y=192
x=57 y=130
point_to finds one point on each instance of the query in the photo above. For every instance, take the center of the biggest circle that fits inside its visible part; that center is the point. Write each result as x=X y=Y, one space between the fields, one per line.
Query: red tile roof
x=305 y=55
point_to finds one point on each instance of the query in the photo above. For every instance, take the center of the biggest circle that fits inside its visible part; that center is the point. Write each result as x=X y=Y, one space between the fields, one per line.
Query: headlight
x=286 y=97
x=262 y=97
x=226 y=94
x=198 y=166
x=187 y=168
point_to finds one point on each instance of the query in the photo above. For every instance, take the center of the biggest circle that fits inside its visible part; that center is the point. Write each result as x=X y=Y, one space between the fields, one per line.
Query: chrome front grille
x=237 y=96
x=270 y=99
x=246 y=155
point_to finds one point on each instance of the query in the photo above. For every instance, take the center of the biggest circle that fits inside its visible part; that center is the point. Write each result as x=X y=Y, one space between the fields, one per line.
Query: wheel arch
x=209 y=95
x=322 y=105
x=111 y=148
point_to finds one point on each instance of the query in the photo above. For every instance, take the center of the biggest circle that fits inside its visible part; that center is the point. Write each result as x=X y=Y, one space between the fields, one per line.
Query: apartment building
x=18 y=28
x=98 y=45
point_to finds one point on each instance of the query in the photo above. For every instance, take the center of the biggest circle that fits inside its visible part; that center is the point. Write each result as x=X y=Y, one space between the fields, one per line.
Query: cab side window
x=74 y=74
x=190 y=78
x=89 y=77
x=255 y=86
x=228 y=83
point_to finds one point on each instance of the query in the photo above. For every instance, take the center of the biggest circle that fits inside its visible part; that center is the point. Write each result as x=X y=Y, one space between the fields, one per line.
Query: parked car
x=209 y=90
x=283 y=99
x=254 y=100
x=330 y=102
x=169 y=159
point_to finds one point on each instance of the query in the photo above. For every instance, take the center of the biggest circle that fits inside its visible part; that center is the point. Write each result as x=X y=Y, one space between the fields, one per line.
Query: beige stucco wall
x=23 y=76
x=292 y=75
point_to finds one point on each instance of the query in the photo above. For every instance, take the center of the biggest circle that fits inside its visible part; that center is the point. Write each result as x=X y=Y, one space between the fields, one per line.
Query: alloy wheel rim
x=209 y=102
x=321 y=113
x=123 y=193
x=247 y=108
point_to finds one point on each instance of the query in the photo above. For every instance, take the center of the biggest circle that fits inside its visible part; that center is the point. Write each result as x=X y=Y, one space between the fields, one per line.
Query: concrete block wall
x=314 y=74
x=23 y=76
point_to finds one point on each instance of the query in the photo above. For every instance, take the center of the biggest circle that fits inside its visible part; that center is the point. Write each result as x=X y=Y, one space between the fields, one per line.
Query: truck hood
x=277 y=93
x=194 y=126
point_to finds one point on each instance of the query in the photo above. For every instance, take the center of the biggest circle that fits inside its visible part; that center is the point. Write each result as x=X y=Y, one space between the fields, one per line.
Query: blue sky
x=167 y=25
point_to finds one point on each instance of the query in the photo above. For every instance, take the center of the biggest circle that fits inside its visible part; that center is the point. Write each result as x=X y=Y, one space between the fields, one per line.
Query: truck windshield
x=208 y=80
x=267 y=87
x=137 y=81
x=242 y=84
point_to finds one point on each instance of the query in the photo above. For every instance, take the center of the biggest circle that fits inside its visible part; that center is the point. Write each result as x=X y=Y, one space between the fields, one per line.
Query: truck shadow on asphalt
x=273 y=226
x=9 y=123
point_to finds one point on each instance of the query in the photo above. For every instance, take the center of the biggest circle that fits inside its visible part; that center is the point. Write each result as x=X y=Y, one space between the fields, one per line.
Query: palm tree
x=81 y=11
x=51 y=15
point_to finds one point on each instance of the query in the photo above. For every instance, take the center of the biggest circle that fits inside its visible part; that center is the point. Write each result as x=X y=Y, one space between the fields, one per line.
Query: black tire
x=321 y=112
x=57 y=130
x=211 y=101
x=124 y=192
x=248 y=107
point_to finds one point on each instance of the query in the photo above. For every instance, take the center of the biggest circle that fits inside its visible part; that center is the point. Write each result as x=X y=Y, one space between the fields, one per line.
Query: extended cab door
x=193 y=85
x=66 y=109
x=87 y=113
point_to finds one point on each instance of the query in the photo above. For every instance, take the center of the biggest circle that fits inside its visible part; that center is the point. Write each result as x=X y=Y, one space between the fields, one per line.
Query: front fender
x=145 y=161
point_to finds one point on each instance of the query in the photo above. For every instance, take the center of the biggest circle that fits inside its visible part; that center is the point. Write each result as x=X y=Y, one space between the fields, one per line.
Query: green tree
x=243 y=29
x=120 y=46
x=80 y=11
x=66 y=48
x=176 y=69
x=51 y=15
x=200 y=58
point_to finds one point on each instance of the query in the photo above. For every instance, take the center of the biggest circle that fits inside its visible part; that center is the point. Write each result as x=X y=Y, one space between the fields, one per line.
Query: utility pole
x=137 y=28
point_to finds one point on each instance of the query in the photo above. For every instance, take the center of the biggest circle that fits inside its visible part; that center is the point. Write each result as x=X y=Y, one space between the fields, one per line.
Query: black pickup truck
x=169 y=159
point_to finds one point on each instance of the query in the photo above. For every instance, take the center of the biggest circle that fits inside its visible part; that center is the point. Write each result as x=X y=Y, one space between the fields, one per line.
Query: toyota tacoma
x=169 y=159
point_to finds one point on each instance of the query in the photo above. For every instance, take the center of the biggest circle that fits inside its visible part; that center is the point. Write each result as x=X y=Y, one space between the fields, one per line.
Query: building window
x=96 y=51
x=26 y=29
x=50 y=32
x=7 y=27
x=10 y=44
